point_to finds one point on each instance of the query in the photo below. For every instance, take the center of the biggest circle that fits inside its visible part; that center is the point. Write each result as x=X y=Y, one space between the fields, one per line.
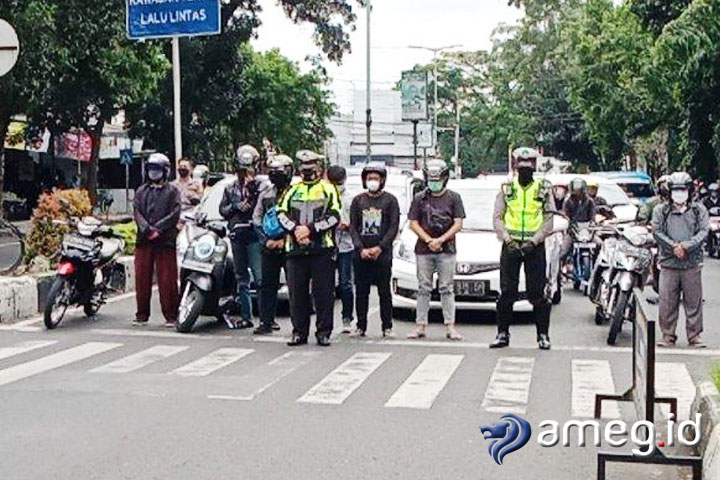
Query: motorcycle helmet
x=714 y=190
x=436 y=174
x=200 y=174
x=245 y=158
x=662 y=186
x=578 y=186
x=157 y=167
x=311 y=165
x=374 y=167
x=680 y=186
x=280 y=170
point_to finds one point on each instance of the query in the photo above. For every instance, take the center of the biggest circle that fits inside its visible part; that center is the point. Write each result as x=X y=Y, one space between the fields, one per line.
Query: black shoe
x=263 y=330
x=501 y=341
x=543 y=342
x=297 y=340
x=275 y=326
x=323 y=341
x=243 y=324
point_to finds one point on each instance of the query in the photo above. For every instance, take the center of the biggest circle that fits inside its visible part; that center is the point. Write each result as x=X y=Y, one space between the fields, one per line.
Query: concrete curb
x=24 y=296
x=707 y=403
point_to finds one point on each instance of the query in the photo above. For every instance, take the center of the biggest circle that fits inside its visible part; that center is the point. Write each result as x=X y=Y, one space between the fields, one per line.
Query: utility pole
x=177 y=117
x=368 y=108
x=458 y=165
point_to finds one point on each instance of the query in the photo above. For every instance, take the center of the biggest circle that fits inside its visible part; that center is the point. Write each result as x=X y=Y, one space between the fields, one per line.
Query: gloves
x=527 y=248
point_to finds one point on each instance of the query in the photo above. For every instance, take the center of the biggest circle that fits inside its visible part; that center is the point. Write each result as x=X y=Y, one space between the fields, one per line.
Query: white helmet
x=246 y=157
x=200 y=173
x=157 y=167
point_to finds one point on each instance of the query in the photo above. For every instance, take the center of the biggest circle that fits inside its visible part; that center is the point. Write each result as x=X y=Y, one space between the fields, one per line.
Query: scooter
x=87 y=272
x=713 y=241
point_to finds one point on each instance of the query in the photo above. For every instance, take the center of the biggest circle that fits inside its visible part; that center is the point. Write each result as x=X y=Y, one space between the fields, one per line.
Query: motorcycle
x=713 y=241
x=206 y=274
x=623 y=264
x=583 y=255
x=87 y=271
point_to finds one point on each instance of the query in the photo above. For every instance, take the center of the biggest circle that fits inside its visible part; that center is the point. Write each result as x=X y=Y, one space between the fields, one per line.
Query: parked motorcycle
x=623 y=264
x=87 y=272
x=206 y=274
x=713 y=241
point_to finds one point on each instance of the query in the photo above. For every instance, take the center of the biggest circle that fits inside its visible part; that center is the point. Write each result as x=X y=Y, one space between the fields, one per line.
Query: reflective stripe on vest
x=524 y=214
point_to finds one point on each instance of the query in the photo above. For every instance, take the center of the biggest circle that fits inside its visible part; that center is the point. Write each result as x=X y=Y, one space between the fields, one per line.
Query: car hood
x=478 y=247
x=625 y=213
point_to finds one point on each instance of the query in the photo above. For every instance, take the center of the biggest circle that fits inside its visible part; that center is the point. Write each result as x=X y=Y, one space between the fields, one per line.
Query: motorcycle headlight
x=204 y=247
x=584 y=236
x=405 y=252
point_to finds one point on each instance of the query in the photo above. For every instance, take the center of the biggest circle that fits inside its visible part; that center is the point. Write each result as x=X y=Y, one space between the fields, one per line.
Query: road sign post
x=642 y=394
x=126 y=158
x=9 y=47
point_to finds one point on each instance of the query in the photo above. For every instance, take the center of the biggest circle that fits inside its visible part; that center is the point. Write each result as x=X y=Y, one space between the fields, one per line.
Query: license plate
x=471 y=288
x=197 y=266
x=585 y=245
x=79 y=243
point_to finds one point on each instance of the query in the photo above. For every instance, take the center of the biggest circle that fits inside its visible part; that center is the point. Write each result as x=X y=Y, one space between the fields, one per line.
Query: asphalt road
x=99 y=399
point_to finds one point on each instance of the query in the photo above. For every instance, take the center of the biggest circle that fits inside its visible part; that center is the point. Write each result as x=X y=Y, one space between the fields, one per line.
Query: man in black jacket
x=157 y=212
x=374 y=221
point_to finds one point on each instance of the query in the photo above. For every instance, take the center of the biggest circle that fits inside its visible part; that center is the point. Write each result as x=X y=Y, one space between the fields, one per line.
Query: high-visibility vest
x=524 y=212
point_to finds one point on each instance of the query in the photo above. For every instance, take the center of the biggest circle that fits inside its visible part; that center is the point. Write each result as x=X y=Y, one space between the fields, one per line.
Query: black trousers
x=367 y=274
x=301 y=271
x=271 y=263
x=536 y=281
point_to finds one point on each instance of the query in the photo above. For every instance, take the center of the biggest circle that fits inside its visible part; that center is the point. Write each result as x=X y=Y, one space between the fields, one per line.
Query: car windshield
x=638 y=190
x=479 y=204
x=613 y=194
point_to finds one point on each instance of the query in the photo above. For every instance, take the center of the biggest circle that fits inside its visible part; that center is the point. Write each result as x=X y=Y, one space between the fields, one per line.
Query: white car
x=477 y=275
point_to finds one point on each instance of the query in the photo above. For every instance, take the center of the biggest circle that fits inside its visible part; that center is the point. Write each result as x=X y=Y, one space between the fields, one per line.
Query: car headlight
x=204 y=247
x=405 y=252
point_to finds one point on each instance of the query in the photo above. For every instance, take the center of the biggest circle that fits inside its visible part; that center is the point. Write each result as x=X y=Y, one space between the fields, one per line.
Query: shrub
x=129 y=232
x=45 y=237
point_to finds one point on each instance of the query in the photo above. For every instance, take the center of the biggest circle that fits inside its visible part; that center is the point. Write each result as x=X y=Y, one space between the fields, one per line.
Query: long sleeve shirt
x=157 y=208
x=688 y=227
x=374 y=222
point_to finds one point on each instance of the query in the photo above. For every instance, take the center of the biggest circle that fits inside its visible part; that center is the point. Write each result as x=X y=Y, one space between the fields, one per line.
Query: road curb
x=24 y=296
x=707 y=403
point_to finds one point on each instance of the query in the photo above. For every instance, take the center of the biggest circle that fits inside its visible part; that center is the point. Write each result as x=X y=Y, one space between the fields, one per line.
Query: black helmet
x=436 y=170
x=578 y=185
x=246 y=157
x=157 y=162
x=374 y=167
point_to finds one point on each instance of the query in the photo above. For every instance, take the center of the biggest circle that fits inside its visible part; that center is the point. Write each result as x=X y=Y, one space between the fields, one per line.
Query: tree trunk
x=91 y=168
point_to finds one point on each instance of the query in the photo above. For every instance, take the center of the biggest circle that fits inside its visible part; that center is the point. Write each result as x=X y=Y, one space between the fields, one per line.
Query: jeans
x=246 y=257
x=272 y=263
x=345 y=274
x=674 y=285
x=163 y=259
x=378 y=273
x=301 y=270
x=535 y=279
x=444 y=265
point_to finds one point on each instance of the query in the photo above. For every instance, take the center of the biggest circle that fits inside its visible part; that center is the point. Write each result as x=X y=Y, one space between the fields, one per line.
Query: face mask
x=559 y=195
x=279 y=179
x=155 y=175
x=525 y=176
x=680 y=197
x=183 y=172
x=308 y=175
x=341 y=187
x=436 y=186
x=373 y=186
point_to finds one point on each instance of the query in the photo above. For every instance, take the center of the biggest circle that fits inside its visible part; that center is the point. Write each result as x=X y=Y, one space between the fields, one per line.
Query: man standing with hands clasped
x=436 y=215
x=680 y=227
x=374 y=221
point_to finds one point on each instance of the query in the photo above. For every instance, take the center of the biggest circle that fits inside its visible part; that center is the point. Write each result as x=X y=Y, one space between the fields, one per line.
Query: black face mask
x=309 y=175
x=525 y=176
x=279 y=179
x=183 y=172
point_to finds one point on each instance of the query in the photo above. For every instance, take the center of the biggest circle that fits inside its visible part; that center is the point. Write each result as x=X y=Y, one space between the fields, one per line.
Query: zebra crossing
x=509 y=388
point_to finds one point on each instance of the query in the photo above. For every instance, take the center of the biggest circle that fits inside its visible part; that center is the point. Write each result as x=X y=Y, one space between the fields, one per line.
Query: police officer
x=310 y=212
x=522 y=221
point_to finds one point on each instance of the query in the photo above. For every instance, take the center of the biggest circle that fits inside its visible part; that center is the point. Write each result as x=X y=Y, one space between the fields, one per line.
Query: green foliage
x=129 y=233
x=45 y=236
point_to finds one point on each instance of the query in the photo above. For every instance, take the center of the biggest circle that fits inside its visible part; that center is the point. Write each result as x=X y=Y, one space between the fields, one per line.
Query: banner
x=172 y=18
x=414 y=87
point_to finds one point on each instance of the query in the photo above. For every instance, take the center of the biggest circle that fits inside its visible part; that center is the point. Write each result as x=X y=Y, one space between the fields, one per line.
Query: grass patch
x=716 y=376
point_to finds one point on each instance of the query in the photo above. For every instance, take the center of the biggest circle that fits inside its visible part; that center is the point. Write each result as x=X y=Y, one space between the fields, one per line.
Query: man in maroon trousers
x=157 y=212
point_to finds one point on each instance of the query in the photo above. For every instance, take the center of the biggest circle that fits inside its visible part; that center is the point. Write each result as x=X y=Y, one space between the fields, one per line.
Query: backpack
x=271 y=225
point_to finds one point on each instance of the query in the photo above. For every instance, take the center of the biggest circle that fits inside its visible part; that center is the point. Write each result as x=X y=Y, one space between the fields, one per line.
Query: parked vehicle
x=623 y=264
x=713 y=241
x=638 y=185
x=87 y=272
x=206 y=273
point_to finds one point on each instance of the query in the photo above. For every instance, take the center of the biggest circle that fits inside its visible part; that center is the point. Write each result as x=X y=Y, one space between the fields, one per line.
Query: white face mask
x=680 y=197
x=373 y=186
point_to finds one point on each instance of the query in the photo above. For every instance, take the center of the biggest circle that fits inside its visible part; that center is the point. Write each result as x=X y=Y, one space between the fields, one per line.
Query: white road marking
x=13 y=328
x=56 y=360
x=339 y=384
x=143 y=332
x=141 y=359
x=256 y=382
x=212 y=362
x=24 y=347
x=427 y=381
x=588 y=378
x=509 y=388
x=673 y=380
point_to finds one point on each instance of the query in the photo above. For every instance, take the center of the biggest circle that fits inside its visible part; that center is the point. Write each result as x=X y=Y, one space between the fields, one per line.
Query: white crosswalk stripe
x=24 y=347
x=590 y=377
x=673 y=380
x=212 y=362
x=55 y=360
x=140 y=359
x=256 y=382
x=509 y=387
x=339 y=384
x=427 y=381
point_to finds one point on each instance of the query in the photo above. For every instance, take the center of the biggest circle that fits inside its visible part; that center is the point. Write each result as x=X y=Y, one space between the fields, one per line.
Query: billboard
x=414 y=87
x=177 y=18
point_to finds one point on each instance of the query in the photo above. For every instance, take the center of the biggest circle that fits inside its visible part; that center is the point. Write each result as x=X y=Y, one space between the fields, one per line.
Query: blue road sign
x=126 y=157
x=172 y=18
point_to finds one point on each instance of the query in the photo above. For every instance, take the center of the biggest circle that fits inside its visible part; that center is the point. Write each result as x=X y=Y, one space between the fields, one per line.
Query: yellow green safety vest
x=524 y=210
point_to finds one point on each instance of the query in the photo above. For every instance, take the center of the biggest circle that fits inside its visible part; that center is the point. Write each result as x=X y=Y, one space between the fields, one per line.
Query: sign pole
x=368 y=108
x=177 y=119
x=127 y=188
x=415 y=144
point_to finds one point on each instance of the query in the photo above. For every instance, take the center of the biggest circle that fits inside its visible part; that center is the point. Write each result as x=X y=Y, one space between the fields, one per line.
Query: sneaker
x=666 y=342
x=388 y=333
x=347 y=326
x=229 y=321
x=243 y=324
x=263 y=330
x=697 y=343
x=139 y=323
x=453 y=334
x=543 y=342
x=418 y=333
x=501 y=341
x=275 y=326
x=357 y=333
x=171 y=324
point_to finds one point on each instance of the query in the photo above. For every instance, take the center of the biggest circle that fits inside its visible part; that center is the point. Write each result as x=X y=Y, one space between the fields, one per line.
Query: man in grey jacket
x=680 y=228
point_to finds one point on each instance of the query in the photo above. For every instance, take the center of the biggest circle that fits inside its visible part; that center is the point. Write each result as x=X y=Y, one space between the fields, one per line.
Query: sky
x=395 y=25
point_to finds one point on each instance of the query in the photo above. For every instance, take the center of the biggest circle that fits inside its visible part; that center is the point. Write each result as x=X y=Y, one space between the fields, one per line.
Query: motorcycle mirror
x=218 y=229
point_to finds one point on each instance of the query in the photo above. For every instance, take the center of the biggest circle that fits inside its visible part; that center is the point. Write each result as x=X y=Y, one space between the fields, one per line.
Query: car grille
x=465 y=268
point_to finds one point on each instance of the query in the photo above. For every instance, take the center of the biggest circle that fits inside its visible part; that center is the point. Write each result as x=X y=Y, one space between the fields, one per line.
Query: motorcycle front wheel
x=57 y=303
x=618 y=317
x=191 y=306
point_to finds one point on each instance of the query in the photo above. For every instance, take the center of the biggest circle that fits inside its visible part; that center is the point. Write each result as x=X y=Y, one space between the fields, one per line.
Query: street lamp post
x=368 y=110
